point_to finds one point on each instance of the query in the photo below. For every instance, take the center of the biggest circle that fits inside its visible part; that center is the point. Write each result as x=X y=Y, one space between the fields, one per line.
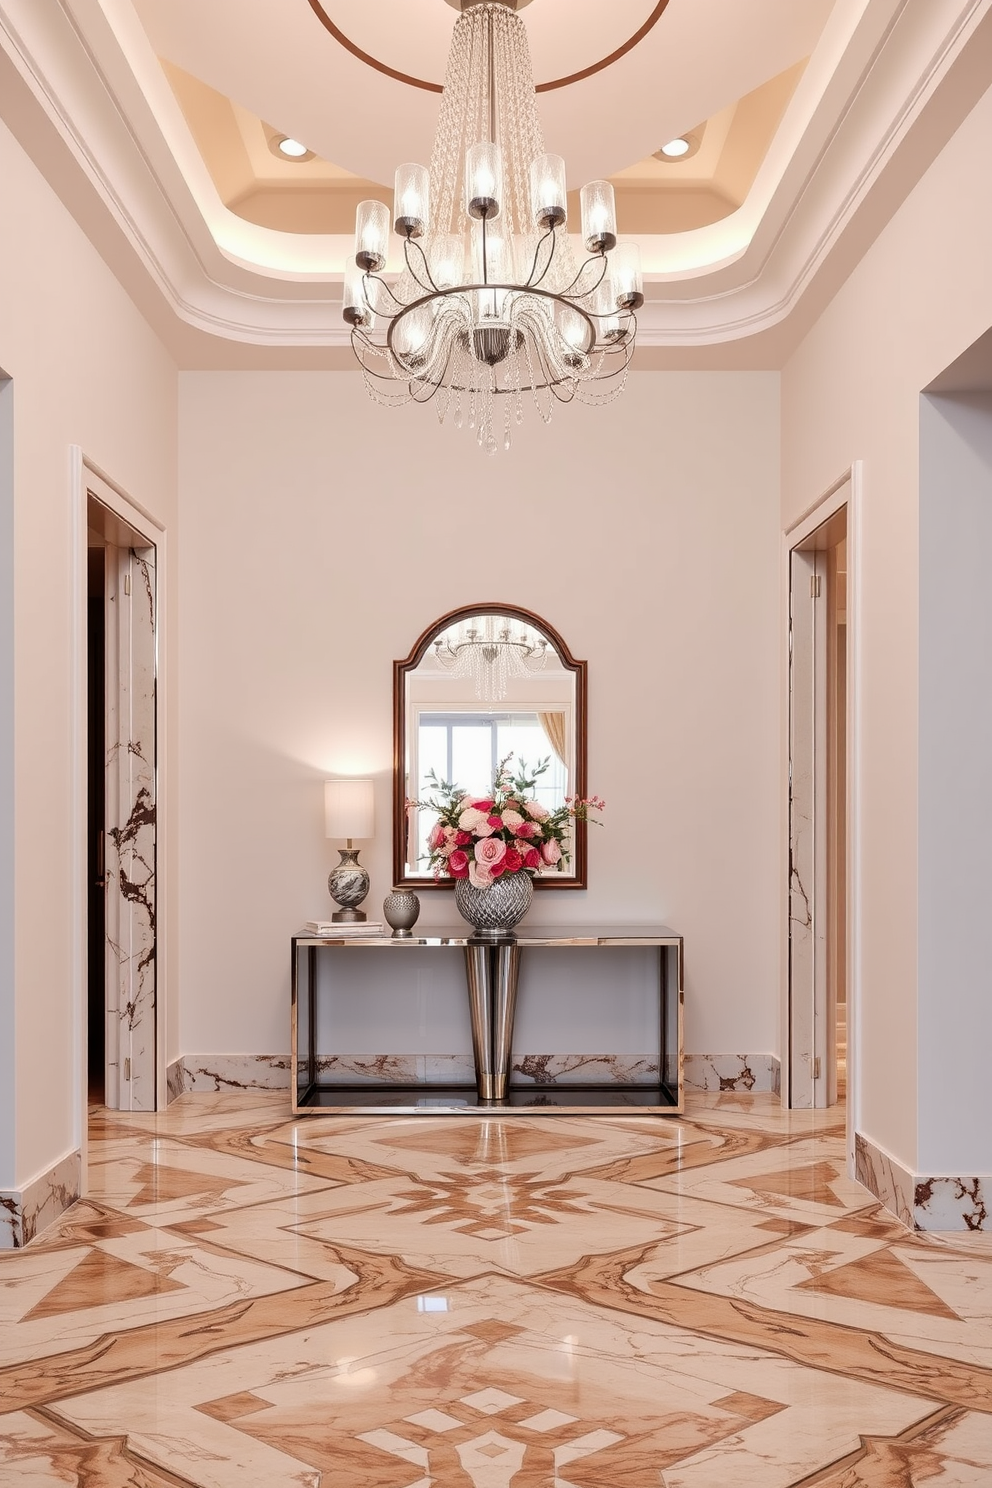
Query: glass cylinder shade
x=483 y=179
x=447 y=261
x=492 y=268
x=371 y=235
x=574 y=331
x=356 y=308
x=599 y=217
x=611 y=325
x=548 y=197
x=410 y=336
x=411 y=200
x=625 y=267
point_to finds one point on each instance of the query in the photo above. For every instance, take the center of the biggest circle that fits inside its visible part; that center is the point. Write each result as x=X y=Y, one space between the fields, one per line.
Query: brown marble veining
x=608 y=1302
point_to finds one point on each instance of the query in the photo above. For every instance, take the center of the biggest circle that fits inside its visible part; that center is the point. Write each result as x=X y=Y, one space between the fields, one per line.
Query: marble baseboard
x=921 y=1203
x=586 y=1069
x=214 y=1072
x=746 y=1073
x=25 y=1213
x=175 y=1081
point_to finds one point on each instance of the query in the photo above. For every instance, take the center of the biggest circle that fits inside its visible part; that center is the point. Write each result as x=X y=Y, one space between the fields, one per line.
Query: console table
x=491 y=969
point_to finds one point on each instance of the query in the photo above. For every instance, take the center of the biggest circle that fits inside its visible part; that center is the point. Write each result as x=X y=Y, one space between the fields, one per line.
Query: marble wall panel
x=26 y=1213
x=922 y=1203
x=745 y=1073
x=131 y=830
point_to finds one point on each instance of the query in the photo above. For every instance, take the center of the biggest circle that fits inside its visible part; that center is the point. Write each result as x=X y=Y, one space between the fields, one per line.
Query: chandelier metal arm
x=409 y=242
x=583 y=294
x=382 y=285
x=532 y=283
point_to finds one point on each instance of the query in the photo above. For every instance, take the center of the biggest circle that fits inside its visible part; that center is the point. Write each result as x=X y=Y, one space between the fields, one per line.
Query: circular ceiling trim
x=563 y=82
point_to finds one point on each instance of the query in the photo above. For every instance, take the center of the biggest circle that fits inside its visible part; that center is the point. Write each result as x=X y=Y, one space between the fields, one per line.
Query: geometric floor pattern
x=245 y=1300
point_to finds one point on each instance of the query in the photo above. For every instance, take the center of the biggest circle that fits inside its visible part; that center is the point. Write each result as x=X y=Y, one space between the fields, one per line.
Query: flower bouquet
x=484 y=838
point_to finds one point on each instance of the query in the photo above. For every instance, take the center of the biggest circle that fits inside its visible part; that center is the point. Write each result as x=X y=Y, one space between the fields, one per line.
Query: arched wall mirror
x=482 y=684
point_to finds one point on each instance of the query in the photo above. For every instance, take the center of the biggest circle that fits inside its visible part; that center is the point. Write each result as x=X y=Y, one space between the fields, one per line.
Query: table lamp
x=349 y=812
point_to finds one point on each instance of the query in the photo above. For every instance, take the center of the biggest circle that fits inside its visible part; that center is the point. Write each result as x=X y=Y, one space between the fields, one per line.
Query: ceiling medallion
x=491 y=307
x=317 y=6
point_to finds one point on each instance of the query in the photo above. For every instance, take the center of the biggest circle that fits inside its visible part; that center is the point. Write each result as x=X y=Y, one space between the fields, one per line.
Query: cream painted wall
x=86 y=370
x=321 y=534
x=920 y=296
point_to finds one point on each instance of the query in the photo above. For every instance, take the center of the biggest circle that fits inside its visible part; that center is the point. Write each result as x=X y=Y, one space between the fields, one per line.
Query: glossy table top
x=526 y=935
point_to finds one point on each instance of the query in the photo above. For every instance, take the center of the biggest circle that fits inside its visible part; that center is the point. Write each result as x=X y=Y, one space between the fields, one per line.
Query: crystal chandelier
x=491 y=651
x=491 y=307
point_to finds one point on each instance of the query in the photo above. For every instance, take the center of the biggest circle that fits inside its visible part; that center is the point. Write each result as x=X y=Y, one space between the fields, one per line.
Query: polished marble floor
x=249 y=1301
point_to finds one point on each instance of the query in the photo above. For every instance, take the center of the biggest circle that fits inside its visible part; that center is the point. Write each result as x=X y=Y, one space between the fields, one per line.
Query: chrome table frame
x=492 y=970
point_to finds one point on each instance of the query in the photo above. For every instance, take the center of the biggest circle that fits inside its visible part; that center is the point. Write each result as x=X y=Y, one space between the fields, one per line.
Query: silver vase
x=494 y=911
x=400 y=909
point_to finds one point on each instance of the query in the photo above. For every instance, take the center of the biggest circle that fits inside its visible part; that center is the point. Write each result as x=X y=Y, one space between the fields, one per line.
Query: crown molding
x=89 y=103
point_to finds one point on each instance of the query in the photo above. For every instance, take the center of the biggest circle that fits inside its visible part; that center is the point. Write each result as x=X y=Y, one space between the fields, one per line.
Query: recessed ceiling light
x=290 y=149
x=679 y=149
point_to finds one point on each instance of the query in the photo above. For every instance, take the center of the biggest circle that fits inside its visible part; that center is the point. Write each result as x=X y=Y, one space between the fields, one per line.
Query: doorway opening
x=121 y=830
x=818 y=815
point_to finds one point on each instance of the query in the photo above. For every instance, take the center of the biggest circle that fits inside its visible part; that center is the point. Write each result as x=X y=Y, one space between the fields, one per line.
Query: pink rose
x=496 y=822
x=490 y=851
x=478 y=876
x=462 y=839
x=536 y=811
x=527 y=829
x=458 y=864
x=532 y=858
x=484 y=806
x=436 y=836
x=511 y=819
x=551 y=853
x=512 y=861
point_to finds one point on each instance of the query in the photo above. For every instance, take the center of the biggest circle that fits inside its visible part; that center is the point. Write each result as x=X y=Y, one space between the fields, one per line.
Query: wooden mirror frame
x=401 y=878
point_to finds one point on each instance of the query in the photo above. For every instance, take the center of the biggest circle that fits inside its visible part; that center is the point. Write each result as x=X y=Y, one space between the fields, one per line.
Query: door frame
x=847 y=490
x=86 y=476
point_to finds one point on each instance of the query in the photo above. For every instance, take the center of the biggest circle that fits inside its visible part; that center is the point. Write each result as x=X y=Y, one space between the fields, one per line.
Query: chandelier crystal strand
x=491 y=302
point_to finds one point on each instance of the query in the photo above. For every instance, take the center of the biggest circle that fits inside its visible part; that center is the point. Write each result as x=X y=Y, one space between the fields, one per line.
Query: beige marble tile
x=553 y=1388
x=375 y=1302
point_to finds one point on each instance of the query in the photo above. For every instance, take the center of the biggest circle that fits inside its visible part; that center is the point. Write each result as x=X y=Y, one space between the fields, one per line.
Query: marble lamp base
x=348 y=884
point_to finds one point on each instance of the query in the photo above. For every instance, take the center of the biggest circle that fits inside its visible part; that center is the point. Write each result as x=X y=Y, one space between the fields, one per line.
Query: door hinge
x=127 y=583
x=127 y=1068
x=816 y=1068
x=814 y=586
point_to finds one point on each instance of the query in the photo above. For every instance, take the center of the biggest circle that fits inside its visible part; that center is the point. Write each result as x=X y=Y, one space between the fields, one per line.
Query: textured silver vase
x=400 y=909
x=494 y=911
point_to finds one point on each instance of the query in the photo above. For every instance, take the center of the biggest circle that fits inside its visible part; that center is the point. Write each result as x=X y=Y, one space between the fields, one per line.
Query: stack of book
x=349 y=928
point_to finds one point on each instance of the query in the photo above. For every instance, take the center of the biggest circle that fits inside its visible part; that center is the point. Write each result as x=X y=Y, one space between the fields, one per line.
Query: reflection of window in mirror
x=467 y=747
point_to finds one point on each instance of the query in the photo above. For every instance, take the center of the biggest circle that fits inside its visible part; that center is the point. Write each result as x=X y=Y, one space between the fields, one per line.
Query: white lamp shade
x=349 y=809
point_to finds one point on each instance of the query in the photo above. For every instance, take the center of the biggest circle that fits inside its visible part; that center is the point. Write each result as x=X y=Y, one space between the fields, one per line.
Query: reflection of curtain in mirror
x=555 y=728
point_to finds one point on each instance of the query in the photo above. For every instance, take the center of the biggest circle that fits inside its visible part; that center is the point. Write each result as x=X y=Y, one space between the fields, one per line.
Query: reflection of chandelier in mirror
x=490 y=303
x=490 y=650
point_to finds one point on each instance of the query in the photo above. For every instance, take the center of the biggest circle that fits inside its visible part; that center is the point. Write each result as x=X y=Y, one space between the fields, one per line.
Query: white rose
x=471 y=820
x=513 y=820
